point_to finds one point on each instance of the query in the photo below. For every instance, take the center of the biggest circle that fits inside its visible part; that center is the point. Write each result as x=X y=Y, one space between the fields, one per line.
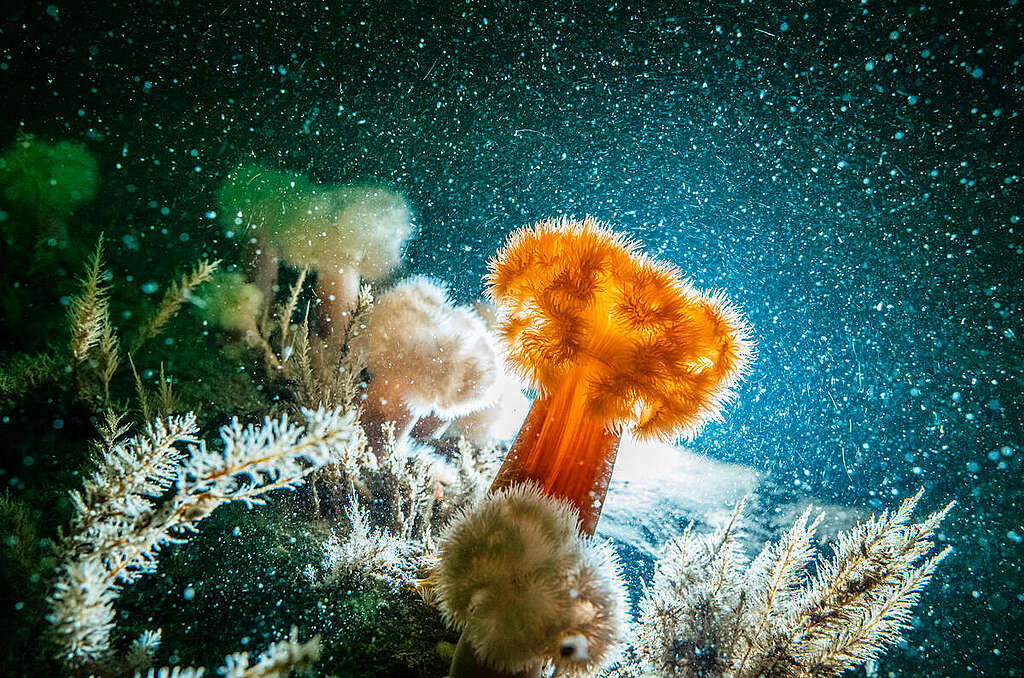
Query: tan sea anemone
x=230 y=302
x=526 y=589
x=346 y=234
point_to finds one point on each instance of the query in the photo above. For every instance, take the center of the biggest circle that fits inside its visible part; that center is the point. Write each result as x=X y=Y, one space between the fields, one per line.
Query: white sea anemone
x=425 y=355
x=333 y=228
x=526 y=589
x=371 y=227
x=347 y=234
x=502 y=419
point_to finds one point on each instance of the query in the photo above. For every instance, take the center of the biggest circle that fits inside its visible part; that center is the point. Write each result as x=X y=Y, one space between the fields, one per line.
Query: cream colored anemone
x=526 y=589
x=230 y=302
x=347 y=234
x=426 y=356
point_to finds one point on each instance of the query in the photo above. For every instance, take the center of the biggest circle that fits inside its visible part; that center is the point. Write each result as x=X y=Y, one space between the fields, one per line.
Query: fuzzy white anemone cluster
x=360 y=226
x=527 y=589
x=323 y=227
x=426 y=354
x=347 y=234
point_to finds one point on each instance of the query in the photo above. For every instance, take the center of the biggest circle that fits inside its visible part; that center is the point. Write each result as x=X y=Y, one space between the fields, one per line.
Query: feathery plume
x=279 y=661
x=24 y=372
x=87 y=312
x=94 y=344
x=711 y=612
x=120 y=525
x=173 y=298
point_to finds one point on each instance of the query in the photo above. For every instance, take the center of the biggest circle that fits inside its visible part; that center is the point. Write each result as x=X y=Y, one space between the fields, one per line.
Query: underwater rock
x=658 y=488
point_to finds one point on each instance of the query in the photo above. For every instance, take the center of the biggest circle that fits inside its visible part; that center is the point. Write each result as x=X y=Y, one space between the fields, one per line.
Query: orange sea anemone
x=610 y=339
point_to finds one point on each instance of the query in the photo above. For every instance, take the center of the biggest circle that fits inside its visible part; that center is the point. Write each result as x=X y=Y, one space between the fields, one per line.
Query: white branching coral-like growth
x=393 y=506
x=363 y=552
x=712 y=612
x=139 y=656
x=278 y=661
x=174 y=672
x=120 y=523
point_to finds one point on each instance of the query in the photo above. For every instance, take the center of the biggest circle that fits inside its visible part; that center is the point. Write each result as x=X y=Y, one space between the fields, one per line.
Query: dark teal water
x=850 y=173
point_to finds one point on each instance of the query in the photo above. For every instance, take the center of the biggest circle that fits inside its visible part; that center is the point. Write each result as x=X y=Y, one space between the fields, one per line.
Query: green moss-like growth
x=23 y=372
x=26 y=562
x=230 y=302
x=239 y=584
x=49 y=178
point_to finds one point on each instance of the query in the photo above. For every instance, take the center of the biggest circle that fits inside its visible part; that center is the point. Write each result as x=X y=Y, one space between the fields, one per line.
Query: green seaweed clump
x=231 y=303
x=51 y=179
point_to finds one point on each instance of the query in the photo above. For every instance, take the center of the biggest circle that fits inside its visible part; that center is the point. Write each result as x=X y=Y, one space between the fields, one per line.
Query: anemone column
x=565 y=450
